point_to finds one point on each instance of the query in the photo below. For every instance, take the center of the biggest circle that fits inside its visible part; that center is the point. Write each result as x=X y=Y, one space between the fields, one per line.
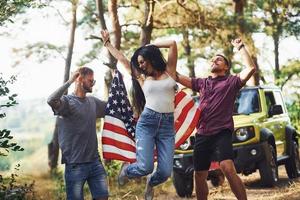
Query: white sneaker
x=149 y=192
x=122 y=177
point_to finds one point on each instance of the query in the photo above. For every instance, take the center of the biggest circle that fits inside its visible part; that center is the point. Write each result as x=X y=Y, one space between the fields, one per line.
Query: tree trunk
x=187 y=52
x=115 y=37
x=276 y=54
x=53 y=147
x=100 y=11
x=239 y=6
x=147 y=27
x=116 y=28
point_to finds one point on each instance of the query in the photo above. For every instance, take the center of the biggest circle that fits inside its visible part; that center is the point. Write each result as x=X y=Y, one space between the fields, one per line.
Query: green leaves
x=4 y=92
x=8 y=9
x=7 y=100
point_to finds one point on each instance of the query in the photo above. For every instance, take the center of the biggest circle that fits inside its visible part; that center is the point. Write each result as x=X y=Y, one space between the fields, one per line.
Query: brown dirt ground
x=36 y=168
x=285 y=189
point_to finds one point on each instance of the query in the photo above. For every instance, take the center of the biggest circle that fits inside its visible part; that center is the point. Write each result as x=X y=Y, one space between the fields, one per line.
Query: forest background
x=43 y=41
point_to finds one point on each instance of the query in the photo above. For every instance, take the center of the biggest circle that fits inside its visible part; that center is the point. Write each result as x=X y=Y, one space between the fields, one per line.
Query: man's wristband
x=108 y=40
x=240 y=47
x=177 y=77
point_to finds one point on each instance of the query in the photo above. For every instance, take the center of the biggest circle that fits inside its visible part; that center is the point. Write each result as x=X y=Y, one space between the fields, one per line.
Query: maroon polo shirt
x=217 y=96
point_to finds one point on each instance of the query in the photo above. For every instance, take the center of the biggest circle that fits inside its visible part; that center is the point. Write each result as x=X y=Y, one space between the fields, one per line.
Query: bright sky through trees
x=37 y=80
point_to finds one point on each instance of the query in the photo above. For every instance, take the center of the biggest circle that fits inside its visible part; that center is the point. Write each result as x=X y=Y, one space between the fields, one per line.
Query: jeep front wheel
x=183 y=183
x=292 y=165
x=268 y=169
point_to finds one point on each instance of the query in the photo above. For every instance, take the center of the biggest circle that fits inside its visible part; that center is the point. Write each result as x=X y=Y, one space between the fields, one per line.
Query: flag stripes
x=118 y=143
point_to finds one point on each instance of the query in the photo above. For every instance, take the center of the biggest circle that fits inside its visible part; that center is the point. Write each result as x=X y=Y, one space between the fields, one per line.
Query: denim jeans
x=77 y=174
x=154 y=130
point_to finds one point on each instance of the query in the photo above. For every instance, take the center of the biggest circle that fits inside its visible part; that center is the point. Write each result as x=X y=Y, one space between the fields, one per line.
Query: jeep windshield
x=246 y=102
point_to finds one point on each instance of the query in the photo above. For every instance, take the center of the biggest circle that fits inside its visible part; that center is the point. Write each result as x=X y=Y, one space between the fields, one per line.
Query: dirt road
x=285 y=189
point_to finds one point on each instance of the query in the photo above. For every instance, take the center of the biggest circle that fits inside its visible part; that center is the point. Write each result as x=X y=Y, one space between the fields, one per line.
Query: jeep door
x=276 y=120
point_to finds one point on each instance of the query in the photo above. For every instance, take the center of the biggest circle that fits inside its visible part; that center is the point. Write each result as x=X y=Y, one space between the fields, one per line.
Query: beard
x=86 y=88
x=215 y=69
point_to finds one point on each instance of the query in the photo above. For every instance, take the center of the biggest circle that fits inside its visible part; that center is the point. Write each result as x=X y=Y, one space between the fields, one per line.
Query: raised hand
x=104 y=36
x=237 y=43
x=74 y=76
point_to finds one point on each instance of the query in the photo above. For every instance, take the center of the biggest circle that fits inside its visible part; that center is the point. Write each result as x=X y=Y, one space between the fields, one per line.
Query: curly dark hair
x=152 y=54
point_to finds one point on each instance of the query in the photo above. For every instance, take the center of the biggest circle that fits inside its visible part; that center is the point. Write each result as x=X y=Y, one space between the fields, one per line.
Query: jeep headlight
x=185 y=145
x=244 y=133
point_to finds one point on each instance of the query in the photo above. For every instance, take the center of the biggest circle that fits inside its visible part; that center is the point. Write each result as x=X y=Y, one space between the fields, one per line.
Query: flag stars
x=115 y=102
x=111 y=111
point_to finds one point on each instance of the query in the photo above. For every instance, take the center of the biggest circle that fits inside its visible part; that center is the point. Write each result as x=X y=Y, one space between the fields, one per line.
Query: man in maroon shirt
x=214 y=130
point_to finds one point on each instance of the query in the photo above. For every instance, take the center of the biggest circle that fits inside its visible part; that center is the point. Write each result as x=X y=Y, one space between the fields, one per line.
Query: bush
x=9 y=188
x=294 y=113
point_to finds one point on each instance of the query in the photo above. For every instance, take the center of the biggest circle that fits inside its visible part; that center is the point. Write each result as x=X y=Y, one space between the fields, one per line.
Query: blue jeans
x=93 y=173
x=154 y=130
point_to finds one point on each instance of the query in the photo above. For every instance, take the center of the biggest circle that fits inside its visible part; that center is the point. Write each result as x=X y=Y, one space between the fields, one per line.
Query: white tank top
x=160 y=94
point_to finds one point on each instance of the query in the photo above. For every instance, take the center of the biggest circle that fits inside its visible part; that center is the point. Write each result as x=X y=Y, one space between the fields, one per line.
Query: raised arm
x=184 y=80
x=172 y=54
x=250 y=69
x=54 y=99
x=115 y=52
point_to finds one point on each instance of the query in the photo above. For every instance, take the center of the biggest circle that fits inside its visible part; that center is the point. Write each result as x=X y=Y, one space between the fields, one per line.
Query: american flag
x=119 y=126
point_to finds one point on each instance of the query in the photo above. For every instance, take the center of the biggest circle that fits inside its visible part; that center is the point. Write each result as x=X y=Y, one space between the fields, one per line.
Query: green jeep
x=263 y=139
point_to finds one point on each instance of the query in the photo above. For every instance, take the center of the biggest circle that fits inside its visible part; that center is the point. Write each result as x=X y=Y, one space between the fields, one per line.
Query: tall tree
x=243 y=30
x=53 y=148
x=147 y=25
x=8 y=9
x=116 y=36
x=280 y=19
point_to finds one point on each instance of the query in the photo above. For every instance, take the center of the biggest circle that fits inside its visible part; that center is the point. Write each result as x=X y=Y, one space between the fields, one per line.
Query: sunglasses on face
x=92 y=82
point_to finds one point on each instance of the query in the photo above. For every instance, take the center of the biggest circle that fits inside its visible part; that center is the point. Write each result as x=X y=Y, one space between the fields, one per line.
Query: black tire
x=183 y=183
x=216 y=178
x=268 y=168
x=292 y=165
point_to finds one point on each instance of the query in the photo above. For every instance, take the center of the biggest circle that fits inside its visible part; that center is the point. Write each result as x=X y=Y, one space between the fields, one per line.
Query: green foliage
x=9 y=9
x=112 y=168
x=4 y=92
x=280 y=17
x=294 y=113
x=5 y=143
x=5 y=136
x=11 y=190
x=58 y=177
x=292 y=68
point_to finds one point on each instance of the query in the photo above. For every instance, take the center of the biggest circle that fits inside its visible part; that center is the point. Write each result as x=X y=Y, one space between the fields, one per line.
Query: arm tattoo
x=54 y=98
